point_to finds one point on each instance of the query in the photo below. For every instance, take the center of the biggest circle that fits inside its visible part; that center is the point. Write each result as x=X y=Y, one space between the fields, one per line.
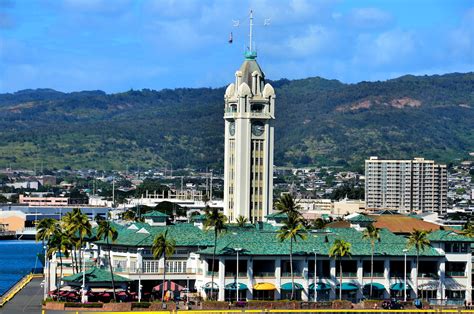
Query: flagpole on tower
x=251 y=26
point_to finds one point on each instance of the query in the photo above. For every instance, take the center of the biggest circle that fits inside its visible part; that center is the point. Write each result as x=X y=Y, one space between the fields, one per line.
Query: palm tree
x=319 y=223
x=339 y=249
x=241 y=221
x=107 y=231
x=80 y=226
x=292 y=229
x=286 y=204
x=45 y=229
x=163 y=247
x=129 y=215
x=468 y=230
x=214 y=220
x=419 y=240
x=68 y=222
x=59 y=243
x=373 y=234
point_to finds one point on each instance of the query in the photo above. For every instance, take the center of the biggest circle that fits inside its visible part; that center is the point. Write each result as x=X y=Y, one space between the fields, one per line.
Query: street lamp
x=83 y=299
x=139 y=251
x=405 y=276
x=237 y=250
x=315 y=276
x=45 y=247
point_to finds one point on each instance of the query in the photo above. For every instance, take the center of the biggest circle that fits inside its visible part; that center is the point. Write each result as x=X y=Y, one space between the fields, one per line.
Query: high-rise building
x=249 y=136
x=406 y=185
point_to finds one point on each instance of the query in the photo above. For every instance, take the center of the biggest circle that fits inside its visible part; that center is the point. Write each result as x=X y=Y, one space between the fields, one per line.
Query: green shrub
x=140 y=305
x=84 y=305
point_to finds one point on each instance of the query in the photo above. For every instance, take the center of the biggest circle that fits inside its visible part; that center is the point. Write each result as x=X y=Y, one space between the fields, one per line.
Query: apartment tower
x=405 y=185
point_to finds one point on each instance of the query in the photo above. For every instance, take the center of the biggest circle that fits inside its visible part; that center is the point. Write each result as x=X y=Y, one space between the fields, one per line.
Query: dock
x=24 y=297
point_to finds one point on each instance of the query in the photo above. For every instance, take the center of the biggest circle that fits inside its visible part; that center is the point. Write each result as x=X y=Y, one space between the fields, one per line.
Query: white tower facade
x=249 y=142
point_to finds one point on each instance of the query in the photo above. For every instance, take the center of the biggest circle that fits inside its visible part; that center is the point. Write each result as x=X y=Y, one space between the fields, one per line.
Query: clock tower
x=249 y=136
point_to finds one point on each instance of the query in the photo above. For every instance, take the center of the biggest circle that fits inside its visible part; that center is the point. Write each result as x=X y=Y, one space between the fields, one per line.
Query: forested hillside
x=319 y=122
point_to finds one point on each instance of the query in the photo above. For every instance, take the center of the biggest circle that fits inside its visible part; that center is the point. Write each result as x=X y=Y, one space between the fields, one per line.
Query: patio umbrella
x=105 y=295
x=169 y=285
x=122 y=294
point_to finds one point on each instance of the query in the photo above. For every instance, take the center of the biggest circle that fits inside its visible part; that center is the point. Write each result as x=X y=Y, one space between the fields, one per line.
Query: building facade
x=261 y=269
x=406 y=185
x=249 y=140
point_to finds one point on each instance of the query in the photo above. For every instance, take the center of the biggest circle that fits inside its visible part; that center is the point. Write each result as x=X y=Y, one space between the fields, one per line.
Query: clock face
x=258 y=128
x=232 y=128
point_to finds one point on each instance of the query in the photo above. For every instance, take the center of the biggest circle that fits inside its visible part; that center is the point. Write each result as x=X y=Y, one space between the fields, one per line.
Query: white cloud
x=369 y=18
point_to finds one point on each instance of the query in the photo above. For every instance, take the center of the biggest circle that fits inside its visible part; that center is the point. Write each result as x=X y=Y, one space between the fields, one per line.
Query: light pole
x=237 y=250
x=45 y=247
x=139 y=251
x=405 y=276
x=83 y=299
x=315 y=275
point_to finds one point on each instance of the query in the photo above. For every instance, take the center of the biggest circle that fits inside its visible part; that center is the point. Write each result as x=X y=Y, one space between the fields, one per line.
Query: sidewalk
x=28 y=300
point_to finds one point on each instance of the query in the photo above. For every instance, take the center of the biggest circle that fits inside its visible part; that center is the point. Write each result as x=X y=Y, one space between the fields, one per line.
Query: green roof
x=155 y=213
x=265 y=242
x=95 y=275
x=448 y=236
x=361 y=218
x=277 y=215
x=198 y=217
x=183 y=234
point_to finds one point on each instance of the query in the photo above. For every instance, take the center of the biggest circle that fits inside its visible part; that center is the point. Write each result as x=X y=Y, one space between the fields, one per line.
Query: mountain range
x=318 y=122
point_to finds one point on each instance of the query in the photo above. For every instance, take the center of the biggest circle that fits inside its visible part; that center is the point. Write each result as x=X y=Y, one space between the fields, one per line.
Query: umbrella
x=71 y=295
x=122 y=293
x=169 y=285
x=105 y=295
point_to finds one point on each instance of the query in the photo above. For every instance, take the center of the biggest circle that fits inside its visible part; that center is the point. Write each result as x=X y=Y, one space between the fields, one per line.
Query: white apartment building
x=406 y=185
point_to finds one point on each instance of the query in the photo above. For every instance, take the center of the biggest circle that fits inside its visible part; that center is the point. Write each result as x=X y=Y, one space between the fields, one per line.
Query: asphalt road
x=28 y=300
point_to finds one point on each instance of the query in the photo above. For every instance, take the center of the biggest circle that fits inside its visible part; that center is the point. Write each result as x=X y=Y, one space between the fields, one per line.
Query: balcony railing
x=399 y=275
x=376 y=274
x=428 y=275
x=456 y=273
x=295 y=274
x=209 y=273
x=264 y=274
x=232 y=274
x=346 y=274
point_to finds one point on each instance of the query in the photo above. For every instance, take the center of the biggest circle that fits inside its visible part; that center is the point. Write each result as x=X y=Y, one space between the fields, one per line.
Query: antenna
x=251 y=29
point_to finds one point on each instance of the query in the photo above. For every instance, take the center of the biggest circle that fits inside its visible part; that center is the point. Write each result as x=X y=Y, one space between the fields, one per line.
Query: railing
x=241 y=275
x=376 y=275
x=428 y=275
x=295 y=274
x=456 y=302
x=209 y=273
x=456 y=273
x=347 y=274
x=264 y=274
x=399 y=275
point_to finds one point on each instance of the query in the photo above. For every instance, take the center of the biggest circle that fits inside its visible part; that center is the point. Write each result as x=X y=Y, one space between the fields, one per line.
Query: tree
x=108 y=232
x=468 y=230
x=241 y=221
x=339 y=249
x=45 y=229
x=292 y=229
x=59 y=243
x=68 y=224
x=319 y=223
x=419 y=240
x=129 y=215
x=79 y=226
x=286 y=204
x=214 y=220
x=163 y=247
x=373 y=235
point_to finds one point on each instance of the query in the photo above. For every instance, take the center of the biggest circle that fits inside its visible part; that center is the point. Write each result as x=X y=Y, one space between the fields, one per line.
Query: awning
x=453 y=285
x=346 y=286
x=169 y=285
x=399 y=286
x=232 y=286
x=375 y=285
x=320 y=287
x=287 y=286
x=264 y=286
x=207 y=286
x=430 y=285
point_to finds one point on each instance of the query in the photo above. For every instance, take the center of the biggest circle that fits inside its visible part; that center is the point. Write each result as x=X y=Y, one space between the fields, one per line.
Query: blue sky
x=116 y=45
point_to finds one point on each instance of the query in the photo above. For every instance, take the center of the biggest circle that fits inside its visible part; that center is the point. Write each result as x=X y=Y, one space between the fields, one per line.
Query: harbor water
x=17 y=258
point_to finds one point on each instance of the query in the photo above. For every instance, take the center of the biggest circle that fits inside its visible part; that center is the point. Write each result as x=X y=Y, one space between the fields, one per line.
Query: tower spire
x=251 y=29
x=250 y=54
